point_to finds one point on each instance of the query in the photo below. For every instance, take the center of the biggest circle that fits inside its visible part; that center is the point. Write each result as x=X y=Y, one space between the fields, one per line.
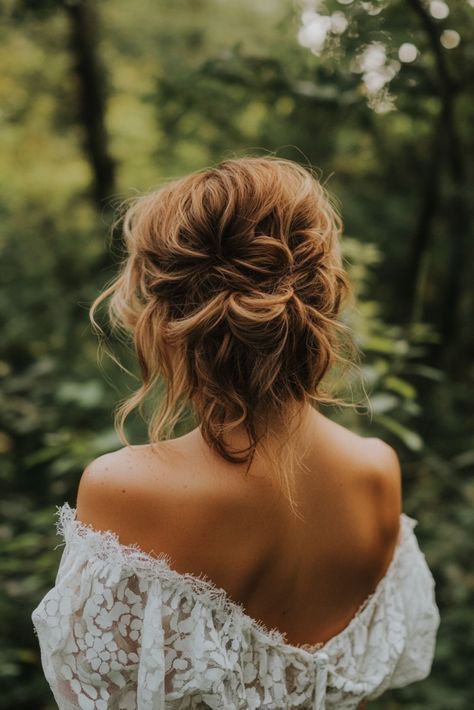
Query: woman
x=262 y=560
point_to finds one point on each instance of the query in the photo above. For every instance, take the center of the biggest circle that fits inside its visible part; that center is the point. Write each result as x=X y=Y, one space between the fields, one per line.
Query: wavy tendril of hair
x=231 y=290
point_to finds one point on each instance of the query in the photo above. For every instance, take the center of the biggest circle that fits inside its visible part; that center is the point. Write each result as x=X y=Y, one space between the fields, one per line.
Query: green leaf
x=411 y=439
x=403 y=388
x=383 y=402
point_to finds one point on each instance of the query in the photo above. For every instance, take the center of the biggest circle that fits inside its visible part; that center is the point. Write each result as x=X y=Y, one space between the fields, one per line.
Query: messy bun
x=230 y=290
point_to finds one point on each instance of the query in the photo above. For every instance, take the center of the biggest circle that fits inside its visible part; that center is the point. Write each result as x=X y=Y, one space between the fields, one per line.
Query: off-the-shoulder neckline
x=108 y=545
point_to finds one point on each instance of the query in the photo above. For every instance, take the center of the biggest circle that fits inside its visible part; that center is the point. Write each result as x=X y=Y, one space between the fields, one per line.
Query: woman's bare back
x=306 y=578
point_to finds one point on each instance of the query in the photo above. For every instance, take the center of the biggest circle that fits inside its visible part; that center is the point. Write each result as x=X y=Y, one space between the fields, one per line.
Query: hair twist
x=231 y=290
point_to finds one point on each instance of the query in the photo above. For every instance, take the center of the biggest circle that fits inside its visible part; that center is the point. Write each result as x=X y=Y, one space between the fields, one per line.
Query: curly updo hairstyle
x=231 y=289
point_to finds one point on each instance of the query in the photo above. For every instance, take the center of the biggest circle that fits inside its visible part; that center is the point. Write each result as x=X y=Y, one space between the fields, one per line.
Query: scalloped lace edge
x=107 y=545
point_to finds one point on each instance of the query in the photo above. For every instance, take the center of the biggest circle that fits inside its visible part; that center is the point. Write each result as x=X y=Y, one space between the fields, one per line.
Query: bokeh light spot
x=450 y=39
x=407 y=52
x=439 y=9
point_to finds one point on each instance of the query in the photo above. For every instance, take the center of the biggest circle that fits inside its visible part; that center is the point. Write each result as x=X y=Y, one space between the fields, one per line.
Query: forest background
x=99 y=101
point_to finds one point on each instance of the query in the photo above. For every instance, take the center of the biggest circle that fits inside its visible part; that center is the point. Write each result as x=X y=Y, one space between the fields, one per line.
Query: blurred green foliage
x=103 y=100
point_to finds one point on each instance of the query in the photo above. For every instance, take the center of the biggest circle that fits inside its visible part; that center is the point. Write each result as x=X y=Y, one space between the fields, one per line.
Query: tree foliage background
x=101 y=100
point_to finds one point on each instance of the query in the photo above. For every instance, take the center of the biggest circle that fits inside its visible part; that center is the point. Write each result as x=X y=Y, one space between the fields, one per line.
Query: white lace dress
x=121 y=629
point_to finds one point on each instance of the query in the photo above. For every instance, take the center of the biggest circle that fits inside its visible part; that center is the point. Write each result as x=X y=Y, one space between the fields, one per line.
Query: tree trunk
x=91 y=97
x=423 y=231
x=447 y=88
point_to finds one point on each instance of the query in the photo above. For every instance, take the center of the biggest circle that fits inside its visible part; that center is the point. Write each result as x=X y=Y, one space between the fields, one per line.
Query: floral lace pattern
x=122 y=630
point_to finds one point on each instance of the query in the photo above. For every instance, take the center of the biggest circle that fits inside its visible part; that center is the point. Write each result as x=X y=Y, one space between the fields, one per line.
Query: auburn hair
x=230 y=289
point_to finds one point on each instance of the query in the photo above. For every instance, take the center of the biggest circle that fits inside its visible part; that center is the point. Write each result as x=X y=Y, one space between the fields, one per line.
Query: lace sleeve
x=422 y=618
x=94 y=637
x=413 y=592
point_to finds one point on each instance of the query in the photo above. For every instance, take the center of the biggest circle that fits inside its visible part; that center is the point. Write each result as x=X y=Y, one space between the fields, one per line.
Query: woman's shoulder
x=367 y=473
x=148 y=495
x=115 y=493
x=369 y=462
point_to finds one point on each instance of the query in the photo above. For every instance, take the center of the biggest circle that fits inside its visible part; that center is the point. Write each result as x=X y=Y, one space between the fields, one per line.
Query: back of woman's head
x=230 y=289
